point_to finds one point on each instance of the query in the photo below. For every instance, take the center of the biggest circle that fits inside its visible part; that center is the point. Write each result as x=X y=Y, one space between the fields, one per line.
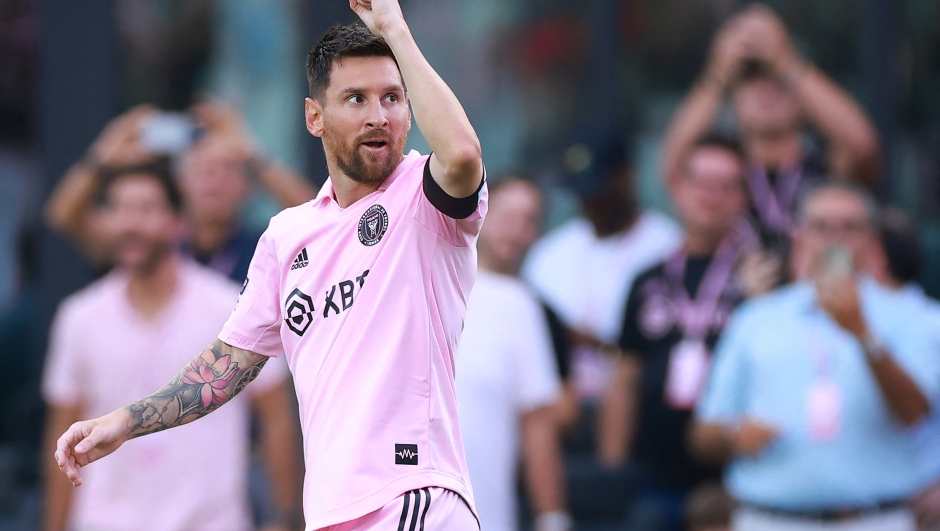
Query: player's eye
x=355 y=98
x=391 y=98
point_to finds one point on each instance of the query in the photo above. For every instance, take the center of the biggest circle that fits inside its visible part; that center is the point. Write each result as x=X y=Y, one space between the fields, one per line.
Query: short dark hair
x=351 y=40
x=901 y=244
x=158 y=168
x=720 y=141
x=872 y=208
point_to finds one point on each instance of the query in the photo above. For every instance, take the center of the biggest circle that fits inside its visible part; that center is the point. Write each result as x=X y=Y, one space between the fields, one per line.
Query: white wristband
x=873 y=347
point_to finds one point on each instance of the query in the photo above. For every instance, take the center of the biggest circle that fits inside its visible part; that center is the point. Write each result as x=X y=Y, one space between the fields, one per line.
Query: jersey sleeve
x=455 y=220
x=62 y=374
x=256 y=321
x=538 y=383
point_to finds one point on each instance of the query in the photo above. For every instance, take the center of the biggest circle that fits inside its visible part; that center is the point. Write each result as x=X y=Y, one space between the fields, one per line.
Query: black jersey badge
x=372 y=225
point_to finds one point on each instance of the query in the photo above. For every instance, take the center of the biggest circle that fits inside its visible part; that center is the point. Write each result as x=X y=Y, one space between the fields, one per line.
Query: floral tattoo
x=210 y=380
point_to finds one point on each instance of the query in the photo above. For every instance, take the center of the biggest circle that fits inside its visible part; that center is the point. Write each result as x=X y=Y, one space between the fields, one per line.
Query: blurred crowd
x=763 y=359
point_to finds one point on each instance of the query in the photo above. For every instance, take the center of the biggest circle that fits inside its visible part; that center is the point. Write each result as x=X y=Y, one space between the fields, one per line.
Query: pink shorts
x=430 y=508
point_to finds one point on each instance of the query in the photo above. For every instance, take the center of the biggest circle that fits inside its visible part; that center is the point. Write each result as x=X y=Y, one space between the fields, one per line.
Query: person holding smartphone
x=777 y=97
x=219 y=166
x=814 y=385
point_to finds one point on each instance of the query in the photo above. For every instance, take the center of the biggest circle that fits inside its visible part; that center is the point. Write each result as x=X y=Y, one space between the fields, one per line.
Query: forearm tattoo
x=213 y=378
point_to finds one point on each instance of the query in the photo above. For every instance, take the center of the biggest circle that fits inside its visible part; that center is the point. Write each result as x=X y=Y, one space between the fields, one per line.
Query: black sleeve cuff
x=452 y=207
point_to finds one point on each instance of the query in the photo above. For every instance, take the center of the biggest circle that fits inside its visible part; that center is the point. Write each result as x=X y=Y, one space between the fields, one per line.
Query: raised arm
x=698 y=110
x=211 y=379
x=853 y=145
x=854 y=149
x=839 y=297
x=457 y=163
x=287 y=186
x=68 y=211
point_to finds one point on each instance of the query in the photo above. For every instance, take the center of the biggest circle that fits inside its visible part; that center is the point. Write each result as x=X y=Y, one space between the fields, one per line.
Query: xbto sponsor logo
x=298 y=311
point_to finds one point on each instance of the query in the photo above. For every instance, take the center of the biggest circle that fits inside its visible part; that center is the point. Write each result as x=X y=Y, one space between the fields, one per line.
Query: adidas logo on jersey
x=301 y=260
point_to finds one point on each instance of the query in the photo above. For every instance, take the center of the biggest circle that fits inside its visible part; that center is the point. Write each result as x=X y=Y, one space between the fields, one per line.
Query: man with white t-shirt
x=364 y=289
x=508 y=384
x=583 y=269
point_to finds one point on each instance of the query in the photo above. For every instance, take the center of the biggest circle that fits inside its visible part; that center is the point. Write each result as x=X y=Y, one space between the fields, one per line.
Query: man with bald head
x=815 y=384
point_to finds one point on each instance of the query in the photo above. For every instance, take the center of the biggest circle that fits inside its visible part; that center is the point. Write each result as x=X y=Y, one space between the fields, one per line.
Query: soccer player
x=364 y=290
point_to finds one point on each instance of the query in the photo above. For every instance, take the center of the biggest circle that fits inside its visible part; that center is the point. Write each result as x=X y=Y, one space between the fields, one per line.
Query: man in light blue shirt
x=814 y=386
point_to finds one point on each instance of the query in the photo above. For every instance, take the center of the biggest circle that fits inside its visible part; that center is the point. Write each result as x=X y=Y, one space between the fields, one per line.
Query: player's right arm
x=211 y=379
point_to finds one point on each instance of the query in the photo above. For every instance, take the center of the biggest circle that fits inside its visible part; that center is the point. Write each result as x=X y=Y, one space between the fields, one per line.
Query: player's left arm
x=211 y=379
x=456 y=163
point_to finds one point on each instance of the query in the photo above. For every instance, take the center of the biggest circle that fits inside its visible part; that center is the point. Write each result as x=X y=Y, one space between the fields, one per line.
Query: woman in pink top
x=364 y=289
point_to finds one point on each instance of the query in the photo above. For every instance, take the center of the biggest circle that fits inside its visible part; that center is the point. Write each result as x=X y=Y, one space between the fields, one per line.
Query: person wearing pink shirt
x=124 y=335
x=363 y=289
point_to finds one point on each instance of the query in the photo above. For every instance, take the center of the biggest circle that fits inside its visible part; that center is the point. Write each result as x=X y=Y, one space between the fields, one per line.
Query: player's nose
x=377 y=115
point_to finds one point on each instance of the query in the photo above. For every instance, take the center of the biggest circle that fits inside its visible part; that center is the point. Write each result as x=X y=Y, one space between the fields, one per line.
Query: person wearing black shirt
x=674 y=315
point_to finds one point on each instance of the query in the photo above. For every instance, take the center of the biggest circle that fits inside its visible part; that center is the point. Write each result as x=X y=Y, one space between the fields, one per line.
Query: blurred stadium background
x=527 y=71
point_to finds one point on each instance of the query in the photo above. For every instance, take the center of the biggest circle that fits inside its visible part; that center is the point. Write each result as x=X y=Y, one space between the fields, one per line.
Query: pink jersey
x=102 y=355
x=367 y=302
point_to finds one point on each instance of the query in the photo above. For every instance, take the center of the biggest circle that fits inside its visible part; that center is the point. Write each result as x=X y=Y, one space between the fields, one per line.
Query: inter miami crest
x=372 y=225
x=298 y=311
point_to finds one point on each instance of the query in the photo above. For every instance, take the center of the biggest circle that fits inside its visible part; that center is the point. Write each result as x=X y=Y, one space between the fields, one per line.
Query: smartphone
x=837 y=260
x=169 y=133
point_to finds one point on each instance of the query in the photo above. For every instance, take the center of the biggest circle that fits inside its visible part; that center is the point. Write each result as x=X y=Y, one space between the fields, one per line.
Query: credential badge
x=372 y=225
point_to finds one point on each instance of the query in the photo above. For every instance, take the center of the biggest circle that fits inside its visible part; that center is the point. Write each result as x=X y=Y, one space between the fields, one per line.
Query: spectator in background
x=217 y=176
x=673 y=318
x=125 y=334
x=218 y=170
x=508 y=384
x=814 y=385
x=896 y=265
x=776 y=94
x=584 y=268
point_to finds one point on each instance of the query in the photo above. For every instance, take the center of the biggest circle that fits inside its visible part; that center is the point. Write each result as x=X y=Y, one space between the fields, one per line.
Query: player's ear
x=408 y=106
x=313 y=116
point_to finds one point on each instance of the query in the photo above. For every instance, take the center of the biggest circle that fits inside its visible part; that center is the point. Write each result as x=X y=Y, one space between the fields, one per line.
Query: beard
x=149 y=254
x=366 y=168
